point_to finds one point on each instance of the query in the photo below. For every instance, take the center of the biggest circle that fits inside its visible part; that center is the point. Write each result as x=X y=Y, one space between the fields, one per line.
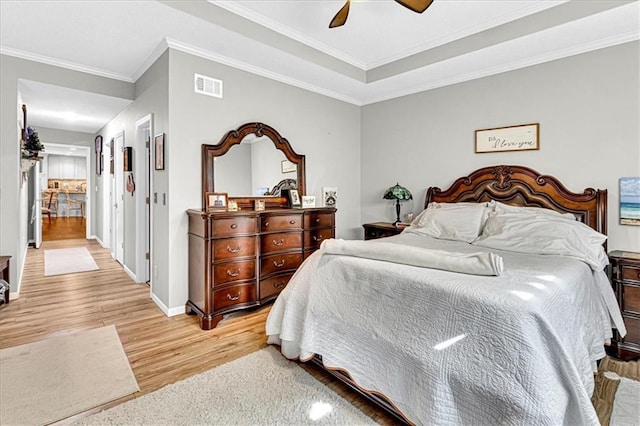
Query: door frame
x=63 y=149
x=144 y=177
x=116 y=237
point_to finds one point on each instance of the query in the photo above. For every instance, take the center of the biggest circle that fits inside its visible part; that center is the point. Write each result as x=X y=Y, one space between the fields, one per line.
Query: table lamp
x=397 y=193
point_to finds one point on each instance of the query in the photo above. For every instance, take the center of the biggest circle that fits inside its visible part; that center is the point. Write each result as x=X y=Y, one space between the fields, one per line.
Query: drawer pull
x=233 y=298
x=317 y=220
x=292 y=222
x=278 y=243
x=233 y=274
x=234 y=226
x=280 y=284
x=278 y=265
x=317 y=238
x=233 y=250
x=266 y=224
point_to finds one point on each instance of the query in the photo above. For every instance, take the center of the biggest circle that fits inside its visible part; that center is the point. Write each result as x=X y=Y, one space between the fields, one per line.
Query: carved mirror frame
x=234 y=137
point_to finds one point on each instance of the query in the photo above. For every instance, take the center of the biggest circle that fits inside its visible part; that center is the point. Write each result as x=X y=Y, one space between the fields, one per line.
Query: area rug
x=258 y=389
x=50 y=380
x=68 y=261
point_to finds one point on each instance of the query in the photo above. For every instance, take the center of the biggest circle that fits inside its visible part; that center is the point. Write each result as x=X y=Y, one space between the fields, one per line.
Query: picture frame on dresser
x=217 y=200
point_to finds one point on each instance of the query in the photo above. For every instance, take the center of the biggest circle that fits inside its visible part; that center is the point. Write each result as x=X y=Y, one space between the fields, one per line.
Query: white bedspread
x=446 y=347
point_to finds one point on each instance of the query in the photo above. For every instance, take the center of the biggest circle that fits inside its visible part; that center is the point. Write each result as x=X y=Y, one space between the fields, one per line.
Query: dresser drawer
x=272 y=243
x=233 y=271
x=280 y=222
x=233 y=226
x=234 y=295
x=313 y=238
x=274 y=285
x=633 y=330
x=279 y=262
x=228 y=248
x=631 y=298
x=317 y=220
x=630 y=273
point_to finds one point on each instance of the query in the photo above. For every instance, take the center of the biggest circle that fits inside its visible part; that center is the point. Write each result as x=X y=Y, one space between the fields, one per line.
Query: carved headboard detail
x=522 y=186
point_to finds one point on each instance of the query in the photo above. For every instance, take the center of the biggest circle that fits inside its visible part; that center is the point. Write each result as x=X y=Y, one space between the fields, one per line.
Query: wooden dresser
x=239 y=260
x=625 y=278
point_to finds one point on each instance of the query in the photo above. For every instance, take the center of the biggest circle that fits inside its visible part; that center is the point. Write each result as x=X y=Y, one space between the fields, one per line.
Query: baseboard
x=93 y=237
x=130 y=273
x=14 y=296
x=168 y=312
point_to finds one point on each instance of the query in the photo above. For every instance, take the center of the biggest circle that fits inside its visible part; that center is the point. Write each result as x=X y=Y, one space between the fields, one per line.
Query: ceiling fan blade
x=341 y=16
x=417 y=6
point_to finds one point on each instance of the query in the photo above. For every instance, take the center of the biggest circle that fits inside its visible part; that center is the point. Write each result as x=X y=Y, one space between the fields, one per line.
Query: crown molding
x=264 y=21
x=63 y=64
x=151 y=59
x=205 y=54
x=510 y=66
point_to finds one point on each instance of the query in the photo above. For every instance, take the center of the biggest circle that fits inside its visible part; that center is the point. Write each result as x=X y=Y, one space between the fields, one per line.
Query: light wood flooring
x=161 y=350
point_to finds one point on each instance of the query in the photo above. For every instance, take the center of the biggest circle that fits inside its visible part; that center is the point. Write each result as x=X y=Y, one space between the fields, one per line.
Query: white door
x=117 y=196
x=37 y=204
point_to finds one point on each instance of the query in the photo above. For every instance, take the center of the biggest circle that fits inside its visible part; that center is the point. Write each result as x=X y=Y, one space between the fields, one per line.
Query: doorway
x=62 y=182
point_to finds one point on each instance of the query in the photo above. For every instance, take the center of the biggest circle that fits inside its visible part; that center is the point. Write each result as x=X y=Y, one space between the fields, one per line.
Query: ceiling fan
x=417 y=6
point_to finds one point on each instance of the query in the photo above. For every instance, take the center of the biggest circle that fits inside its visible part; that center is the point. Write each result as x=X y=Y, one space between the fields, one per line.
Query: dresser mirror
x=252 y=161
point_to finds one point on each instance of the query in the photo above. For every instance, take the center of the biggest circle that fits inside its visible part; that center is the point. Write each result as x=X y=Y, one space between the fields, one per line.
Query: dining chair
x=74 y=204
x=46 y=204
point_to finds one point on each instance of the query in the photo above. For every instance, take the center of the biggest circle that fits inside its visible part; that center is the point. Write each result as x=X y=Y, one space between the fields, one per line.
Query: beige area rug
x=50 y=380
x=258 y=389
x=616 y=396
x=68 y=261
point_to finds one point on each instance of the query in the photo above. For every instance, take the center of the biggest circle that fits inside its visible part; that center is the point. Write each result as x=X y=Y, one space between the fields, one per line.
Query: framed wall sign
x=524 y=137
x=287 y=166
x=159 y=151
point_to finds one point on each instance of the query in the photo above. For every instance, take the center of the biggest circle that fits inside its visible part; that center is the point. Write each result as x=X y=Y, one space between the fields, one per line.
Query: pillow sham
x=459 y=224
x=544 y=234
x=506 y=208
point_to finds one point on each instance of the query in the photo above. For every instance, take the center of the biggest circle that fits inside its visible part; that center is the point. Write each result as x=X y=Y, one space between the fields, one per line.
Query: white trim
x=196 y=51
x=170 y=312
x=509 y=66
x=63 y=64
x=129 y=272
x=151 y=59
x=145 y=122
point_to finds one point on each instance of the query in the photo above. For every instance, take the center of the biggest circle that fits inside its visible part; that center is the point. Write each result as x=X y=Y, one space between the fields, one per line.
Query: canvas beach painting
x=630 y=201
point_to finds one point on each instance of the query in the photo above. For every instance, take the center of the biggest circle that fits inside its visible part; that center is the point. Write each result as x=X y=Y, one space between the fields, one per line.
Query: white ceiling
x=383 y=51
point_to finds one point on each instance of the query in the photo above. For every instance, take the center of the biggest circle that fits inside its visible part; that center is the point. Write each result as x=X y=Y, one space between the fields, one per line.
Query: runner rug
x=68 y=261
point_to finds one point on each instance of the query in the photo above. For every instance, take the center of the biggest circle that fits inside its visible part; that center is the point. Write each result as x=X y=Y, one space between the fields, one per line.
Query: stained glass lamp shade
x=397 y=193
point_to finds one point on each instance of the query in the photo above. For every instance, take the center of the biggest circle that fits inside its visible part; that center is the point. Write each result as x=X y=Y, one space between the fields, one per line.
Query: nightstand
x=625 y=278
x=380 y=230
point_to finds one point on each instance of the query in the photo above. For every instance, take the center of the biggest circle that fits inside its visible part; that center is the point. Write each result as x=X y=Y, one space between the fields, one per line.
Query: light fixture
x=397 y=193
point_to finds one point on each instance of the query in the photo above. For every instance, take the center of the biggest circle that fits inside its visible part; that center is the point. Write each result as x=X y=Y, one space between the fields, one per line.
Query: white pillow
x=505 y=208
x=460 y=224
x=544 y=234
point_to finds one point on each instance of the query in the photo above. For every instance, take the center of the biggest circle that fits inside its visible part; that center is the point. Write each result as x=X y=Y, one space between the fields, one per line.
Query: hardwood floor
x=63 y=228
x=161 y=350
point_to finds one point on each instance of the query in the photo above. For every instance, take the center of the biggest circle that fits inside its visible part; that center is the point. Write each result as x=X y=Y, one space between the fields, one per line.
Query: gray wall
x=587 y=106
x=327 y=131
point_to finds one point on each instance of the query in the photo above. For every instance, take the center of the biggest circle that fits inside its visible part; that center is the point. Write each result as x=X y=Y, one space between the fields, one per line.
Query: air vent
x=208 y=86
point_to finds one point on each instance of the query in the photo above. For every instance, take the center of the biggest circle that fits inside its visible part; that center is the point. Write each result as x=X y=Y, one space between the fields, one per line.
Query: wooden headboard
x=522 y=186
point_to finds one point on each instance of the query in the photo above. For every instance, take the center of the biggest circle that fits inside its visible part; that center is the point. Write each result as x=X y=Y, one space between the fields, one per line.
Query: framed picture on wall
x=98 y=148
x=159 y=151
x=127 y=157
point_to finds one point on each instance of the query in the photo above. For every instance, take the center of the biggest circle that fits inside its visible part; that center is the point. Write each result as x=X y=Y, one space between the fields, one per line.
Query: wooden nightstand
x=625 y=278
x=380 y=230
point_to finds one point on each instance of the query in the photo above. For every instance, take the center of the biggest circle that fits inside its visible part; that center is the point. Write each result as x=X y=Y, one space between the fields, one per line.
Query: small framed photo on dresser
x=293 y=196
x=258 y=205
x=232 y=206
x=308 y=201
x=216 y=201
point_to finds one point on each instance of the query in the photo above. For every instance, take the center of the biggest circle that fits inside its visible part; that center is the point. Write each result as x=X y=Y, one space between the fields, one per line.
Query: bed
x=511 y=336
